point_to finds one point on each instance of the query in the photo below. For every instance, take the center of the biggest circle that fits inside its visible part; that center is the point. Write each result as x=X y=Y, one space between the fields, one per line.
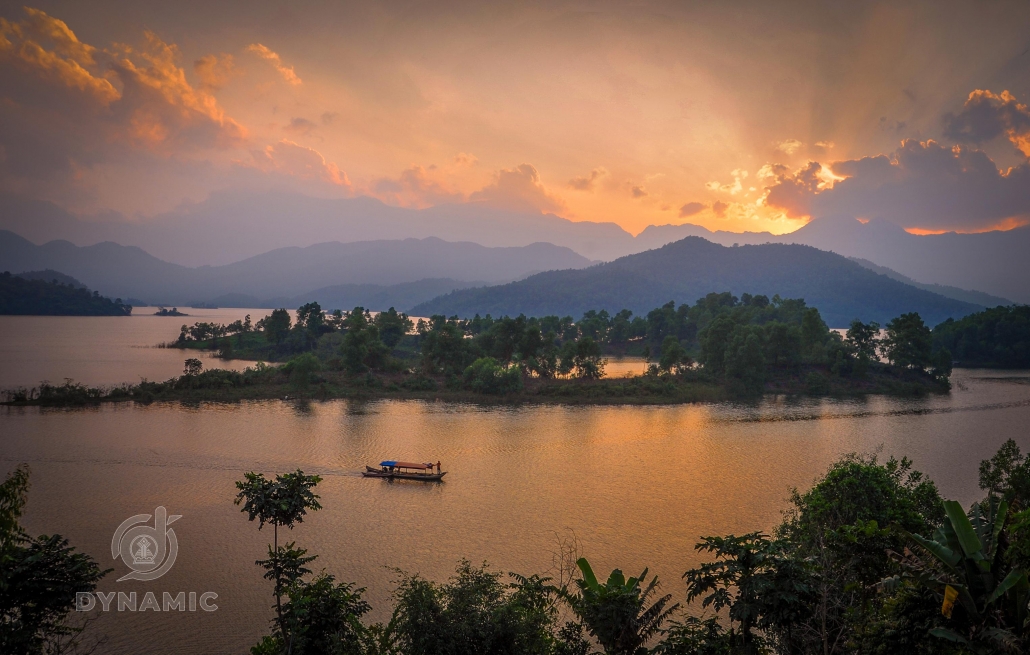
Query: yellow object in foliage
x=950 y=596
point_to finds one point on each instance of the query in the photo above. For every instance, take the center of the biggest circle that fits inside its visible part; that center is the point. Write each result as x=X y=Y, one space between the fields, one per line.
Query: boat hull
x=371 y=472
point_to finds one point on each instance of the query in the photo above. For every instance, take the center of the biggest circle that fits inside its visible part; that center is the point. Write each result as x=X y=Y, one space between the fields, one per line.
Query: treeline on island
x=871 y=559
x=721 y=347
x=743 y=346
x=20 y=296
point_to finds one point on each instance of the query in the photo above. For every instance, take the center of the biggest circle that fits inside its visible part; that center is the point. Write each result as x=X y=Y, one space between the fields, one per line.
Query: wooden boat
x=395 y=470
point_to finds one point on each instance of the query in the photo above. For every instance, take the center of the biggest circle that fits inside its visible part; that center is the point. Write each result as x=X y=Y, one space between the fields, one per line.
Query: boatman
x=438 y=469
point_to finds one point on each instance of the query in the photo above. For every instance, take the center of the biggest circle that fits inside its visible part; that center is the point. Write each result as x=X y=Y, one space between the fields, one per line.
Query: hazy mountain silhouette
x=693 y=267
x=992 y=262
x=348 y=296
x=127 y=271
x=965 y=295
x=230 y=226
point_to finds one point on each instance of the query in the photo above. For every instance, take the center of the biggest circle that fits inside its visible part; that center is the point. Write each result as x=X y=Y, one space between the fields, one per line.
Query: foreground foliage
x=847 y=572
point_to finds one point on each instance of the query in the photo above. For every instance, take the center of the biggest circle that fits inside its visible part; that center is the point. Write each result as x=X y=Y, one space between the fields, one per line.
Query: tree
x=276 y=325
x=744 y=360
x=283 y=501
x=486 y=375
x=907 y=342
x=620 y=613
x=587 y=359
x=362 y=348
x=39 y=579
x=673 y=355
x=763 y=586
x=392 y=326
x=192 y=367
x=475 y=613
x=862 y=338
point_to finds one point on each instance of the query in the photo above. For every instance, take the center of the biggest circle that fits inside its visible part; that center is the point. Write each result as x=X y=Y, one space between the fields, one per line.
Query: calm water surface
x=637 y=485
x=104 y=350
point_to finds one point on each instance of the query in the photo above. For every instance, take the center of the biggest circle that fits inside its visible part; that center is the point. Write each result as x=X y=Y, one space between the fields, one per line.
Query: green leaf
x=1014 y=578
x=967 y=538
x=588 y=573
x=944 y=633
x=940 y=551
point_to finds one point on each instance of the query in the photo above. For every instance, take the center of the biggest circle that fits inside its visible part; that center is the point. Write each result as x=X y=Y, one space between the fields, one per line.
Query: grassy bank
x=268 y=382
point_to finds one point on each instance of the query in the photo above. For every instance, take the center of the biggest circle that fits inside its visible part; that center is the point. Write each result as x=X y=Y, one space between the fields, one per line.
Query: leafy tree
x=322 y=617
x=744 y=360
x=620 y=613
x=1007 y=475
x=907 y=342
x=444 y=347
x=283 y=501
x=362 y=349
x=276 y=325
x=392 y=326
x=587 y=359
x=862 y=337
x=673 y=355
x=696 y=636
x=302 y=369
x=761 y=583
x=843 y=525
x=192 y=367
x=475 y=613
x=486 y=375
x=39 y=578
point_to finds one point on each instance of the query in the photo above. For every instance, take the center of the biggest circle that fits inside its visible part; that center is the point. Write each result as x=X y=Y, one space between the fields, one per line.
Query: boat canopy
x=406 y=465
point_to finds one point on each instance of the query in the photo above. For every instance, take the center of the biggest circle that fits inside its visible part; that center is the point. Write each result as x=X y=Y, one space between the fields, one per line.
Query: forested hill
x=42 y=298
x=693 y=267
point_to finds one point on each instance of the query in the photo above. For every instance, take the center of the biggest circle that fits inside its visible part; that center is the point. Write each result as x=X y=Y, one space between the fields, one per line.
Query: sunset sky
x=737 y=116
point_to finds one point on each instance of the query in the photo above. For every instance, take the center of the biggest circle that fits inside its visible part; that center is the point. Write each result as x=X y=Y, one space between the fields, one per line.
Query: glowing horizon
x=746 y=120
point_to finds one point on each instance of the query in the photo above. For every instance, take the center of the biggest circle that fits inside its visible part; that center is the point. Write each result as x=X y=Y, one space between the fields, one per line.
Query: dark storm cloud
x=921 y=185
x=986 y=116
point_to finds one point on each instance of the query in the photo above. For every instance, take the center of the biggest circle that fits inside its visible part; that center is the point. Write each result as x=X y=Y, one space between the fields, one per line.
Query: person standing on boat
x=438 y=469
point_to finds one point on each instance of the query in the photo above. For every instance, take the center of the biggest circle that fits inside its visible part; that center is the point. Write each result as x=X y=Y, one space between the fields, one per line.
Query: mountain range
x=231 y=226
x=687 y=270
x=127 y=271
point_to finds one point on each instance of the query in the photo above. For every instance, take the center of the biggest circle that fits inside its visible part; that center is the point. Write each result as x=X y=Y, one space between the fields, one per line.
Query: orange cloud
x=214 y=71
x=160 y=104
x=289 y=158
x=588 y=182
x=286 y=71
x=66 y=64
x=414 y=188
x=519 y=189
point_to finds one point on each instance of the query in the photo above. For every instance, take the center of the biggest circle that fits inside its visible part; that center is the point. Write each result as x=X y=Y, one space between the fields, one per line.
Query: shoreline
x=272 y=383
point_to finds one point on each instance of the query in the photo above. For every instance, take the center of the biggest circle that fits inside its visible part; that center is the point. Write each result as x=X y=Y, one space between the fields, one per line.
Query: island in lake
x=722 y=347
x=164 y=311
x=60 y=296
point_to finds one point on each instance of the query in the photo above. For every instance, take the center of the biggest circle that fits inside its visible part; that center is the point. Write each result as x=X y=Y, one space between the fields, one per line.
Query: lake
x=636 y=485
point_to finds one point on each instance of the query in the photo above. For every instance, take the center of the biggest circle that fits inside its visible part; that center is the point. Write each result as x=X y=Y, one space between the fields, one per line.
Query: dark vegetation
x=721 y=347
x=690 y=268
x=54 y=298
x=869 y=560
x=39 y=577
x=164 y=311
x=993 y=338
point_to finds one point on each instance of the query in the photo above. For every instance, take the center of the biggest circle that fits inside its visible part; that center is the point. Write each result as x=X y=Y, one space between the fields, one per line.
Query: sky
x=740 y=116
